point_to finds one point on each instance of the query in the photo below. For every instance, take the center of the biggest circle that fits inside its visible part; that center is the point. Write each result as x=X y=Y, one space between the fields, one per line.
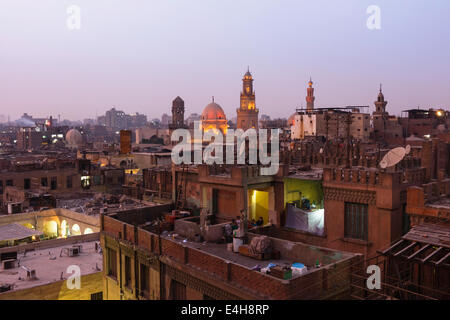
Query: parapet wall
x=249 y=283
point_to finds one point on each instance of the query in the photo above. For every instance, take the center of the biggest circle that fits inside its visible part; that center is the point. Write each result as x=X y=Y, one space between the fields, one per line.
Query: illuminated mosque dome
x=74 y=138
x=214 y=118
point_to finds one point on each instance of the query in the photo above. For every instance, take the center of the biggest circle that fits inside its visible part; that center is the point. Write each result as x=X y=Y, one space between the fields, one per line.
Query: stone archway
x=76 y=230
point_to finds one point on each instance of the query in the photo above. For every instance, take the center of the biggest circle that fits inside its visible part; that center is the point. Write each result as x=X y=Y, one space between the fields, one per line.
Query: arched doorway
x=50 y=228
x=76 y=231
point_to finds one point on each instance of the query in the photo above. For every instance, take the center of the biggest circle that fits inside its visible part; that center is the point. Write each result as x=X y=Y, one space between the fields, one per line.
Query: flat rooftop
x=291 y=252
x=15 y=231
x=296 y=172
x=443 y=203
x=49 y=265
x=94 y=203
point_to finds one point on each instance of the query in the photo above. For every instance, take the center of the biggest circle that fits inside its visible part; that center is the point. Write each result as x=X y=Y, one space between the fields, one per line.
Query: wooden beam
x=405 y=249
x=443 y=259
x=419 y=251
x=432 y=254
x=392 y=247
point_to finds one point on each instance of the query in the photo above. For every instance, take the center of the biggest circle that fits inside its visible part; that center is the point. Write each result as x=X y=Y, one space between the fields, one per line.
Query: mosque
x=213 y=117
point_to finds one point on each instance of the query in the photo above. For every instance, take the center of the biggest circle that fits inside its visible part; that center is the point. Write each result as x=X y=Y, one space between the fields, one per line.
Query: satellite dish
x=394 y=156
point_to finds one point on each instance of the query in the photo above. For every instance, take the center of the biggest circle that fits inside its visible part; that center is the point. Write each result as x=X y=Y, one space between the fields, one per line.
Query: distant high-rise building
x=29 y=138
x=166 y=119
x=247 y=114
x=115 y=119
x=193 y=117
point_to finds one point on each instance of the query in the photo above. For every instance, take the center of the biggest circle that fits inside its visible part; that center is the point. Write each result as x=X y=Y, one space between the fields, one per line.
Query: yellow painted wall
x=259 y=205
x=90 y=283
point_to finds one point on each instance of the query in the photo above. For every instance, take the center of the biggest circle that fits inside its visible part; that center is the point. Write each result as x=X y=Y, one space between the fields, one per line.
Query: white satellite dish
x=394 y=156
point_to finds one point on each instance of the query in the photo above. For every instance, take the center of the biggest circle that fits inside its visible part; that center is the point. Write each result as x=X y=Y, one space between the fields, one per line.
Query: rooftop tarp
x=16 y=231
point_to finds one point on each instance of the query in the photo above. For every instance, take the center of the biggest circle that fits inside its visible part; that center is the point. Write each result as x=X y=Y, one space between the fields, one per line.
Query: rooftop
x=442 y=203
x=15 y=231
x=50 y=264
x=297 y=172
x=94 y=203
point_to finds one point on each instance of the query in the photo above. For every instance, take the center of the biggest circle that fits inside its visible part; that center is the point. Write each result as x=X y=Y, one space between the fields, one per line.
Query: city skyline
x=49 y=69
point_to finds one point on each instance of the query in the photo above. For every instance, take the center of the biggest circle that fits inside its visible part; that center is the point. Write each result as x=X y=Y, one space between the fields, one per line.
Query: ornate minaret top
x=247 y=94
x=247 y=114
x=310 y=96
x=380 y=104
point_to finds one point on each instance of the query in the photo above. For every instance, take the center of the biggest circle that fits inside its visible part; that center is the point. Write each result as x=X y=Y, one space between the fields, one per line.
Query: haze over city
x=138 y=56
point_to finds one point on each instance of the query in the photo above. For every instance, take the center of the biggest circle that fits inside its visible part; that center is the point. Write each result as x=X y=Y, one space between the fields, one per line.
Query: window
x=178 y=290
x=44 y=182
x=1 y=186
x=97 y=296
x=69 y=182
x=53 y=183
x=9 y=183
x=355 y=221
x=145 y=279
x=127 y=271
x=26 y=184
x=112 y=263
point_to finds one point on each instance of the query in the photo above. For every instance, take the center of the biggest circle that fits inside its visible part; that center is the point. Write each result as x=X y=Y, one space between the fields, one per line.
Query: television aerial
x=394 y=156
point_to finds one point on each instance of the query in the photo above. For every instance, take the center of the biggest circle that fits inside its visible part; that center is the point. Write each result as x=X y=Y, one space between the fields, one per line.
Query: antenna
x=394 y=156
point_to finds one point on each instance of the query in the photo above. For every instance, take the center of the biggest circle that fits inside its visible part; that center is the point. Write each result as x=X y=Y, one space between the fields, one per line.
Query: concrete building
x=43 y=270
x=142 y=263
x=29 y=138
x=331 y=123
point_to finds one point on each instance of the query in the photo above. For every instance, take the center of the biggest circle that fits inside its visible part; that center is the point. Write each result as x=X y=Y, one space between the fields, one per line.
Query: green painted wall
x=295 y=189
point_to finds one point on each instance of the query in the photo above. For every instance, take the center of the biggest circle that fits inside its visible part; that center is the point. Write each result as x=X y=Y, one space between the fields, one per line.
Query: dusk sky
x=140 y=55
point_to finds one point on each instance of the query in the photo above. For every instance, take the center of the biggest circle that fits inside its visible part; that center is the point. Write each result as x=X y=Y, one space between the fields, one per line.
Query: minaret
x=380 y=104
x=310 y=96
x=379 y=117
x=177 y=114
x=247 y=114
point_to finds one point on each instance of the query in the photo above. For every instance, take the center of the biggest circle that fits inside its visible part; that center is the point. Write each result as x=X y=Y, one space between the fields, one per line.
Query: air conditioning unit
x=9 y=264
x=73 y=252
x=31 y=274
x=79 y=247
